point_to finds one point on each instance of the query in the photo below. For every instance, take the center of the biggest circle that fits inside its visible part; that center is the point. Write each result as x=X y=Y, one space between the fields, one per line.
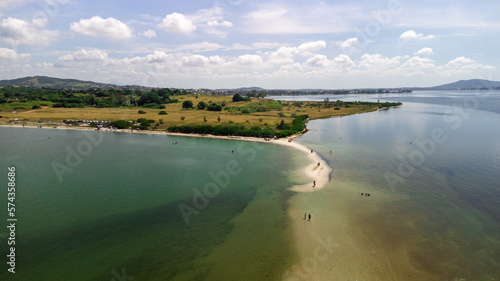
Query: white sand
x=320 y=174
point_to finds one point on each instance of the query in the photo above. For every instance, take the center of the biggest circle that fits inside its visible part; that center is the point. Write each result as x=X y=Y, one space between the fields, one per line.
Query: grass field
x=262 y=112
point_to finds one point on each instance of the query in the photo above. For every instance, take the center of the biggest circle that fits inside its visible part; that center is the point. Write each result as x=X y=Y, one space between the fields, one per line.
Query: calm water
x=439 y=153
x=94 y=206
x=98 y=206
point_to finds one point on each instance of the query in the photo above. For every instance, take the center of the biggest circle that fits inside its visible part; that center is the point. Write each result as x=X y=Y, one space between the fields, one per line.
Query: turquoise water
x=91 y=204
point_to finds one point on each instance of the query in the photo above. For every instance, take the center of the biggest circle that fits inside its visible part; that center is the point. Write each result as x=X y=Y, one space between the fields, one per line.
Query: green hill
x=58 y=83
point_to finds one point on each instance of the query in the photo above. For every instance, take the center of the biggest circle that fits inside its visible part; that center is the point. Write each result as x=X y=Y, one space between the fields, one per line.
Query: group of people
x=305 y=216
x=365 y=194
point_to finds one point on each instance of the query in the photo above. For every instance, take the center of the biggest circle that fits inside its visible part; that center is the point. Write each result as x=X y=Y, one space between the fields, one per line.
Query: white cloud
x=424 y=51
x=15 y=32
x=460 y=61
x=195 y=60
x=417 y=66
x=412 y=35
x=216 y=60
x=83 y=56
x=149 y=33
x=312 y=46
x=12 y=55
x=349 y=42
x=99 y=27
x=318 y=61
x=249 y=60
x=285 y=54
x=177 y=23
x=343 y=61
x=156 y=57
x=221 y=23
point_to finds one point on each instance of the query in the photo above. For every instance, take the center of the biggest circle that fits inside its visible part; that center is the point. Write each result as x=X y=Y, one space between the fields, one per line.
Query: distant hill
x=57 y=83
x=473 y=84
x=249 y=89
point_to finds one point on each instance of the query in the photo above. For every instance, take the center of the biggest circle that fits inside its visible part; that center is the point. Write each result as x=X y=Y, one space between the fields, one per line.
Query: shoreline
x=320 y=174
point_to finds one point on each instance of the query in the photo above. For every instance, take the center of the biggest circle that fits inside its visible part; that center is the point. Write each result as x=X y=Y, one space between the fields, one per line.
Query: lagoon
x=94 y=205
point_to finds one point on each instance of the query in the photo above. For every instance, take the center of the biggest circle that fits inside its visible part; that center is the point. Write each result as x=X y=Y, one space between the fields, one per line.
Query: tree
x=238 y=97
x=261 y=94
x=163 y=112
x=218 y=118
x=214 y=107
x=149 y=97
x=187 y=104
x=201 y=105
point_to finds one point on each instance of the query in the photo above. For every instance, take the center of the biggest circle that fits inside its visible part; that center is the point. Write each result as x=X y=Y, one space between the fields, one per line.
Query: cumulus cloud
x=99 y=27
x=285 y=54
x=177 y=23
x=12 y=55
x=15 y=32
x=412 y=35
x=317 y=61
x=149 y=33
x=417 y=66
x=249 y=60
x=349 y=42
x=82 y=56
x=312 y=46
x=195 y=60
x=424 y=51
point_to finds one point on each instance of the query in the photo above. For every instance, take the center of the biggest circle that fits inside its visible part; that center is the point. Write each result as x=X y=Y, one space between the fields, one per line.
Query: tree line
x=92 y=97
x=284 y=130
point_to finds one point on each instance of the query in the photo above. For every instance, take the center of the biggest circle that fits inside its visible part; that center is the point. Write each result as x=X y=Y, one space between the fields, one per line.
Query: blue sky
x=235 y=43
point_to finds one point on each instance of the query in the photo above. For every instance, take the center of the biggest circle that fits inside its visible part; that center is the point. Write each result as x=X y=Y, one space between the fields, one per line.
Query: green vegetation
x=238 y=97
x=187 y=104
x=285 y=130
x=270 y=116
x=201 y=105
x=99 y=98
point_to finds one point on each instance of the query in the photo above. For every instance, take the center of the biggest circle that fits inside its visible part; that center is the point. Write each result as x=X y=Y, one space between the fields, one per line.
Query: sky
x=288 y=44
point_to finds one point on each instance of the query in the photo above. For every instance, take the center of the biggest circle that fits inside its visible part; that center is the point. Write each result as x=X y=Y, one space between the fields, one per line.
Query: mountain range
x=58 y=83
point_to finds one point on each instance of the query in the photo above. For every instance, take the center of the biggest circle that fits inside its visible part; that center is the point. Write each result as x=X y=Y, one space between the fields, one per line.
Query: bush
x=120 y=124
x=141 y=111
x=201 y=105
x=245 y=111
x=214 y=107
x=36 y=106
x=238 y=97
x=163 y=112
x=187 y=104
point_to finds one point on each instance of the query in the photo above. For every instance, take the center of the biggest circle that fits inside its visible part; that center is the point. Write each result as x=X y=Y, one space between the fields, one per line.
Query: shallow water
x=432 y=173
x=97 y=206
x=92 y=205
